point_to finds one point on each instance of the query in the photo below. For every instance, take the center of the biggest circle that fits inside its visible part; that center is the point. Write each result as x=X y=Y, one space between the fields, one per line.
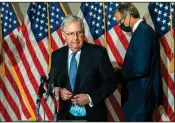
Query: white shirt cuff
x=90 y=101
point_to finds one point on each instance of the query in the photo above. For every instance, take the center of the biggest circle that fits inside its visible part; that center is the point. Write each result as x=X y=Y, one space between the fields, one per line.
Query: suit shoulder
x=95 y=51
x=59 y=51
x=95 y=47
x=148 y=27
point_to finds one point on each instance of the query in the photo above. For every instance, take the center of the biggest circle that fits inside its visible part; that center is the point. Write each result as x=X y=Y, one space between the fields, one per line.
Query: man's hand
x=80 y=99
x=56 y=91
x=65 y=94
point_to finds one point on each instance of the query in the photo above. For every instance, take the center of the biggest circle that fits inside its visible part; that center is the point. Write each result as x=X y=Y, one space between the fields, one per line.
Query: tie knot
x=74 y=54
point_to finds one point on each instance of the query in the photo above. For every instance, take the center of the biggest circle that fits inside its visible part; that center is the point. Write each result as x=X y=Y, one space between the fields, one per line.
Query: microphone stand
x=38 y=102
x=37 y=107
x=39 y=96
x=56 y=99
x=48 y=93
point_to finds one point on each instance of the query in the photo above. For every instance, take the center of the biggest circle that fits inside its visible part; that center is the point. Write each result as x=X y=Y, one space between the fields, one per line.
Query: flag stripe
x=167 y=101
x=166 y=47
x=43 y=47
x=116 y=107
x=5 y=113
x=15 y=88
x=121 y=36
x=32 y=45
x=111 y=110
x=167 y=107
x=120 y=47
x=24 y=108
x=167 y=77
x=1 y=117
x=110 y=119
x=10 y=100
x=5 y=104
x=117 y=95
x=114 y=50
x=59 y=33
x=97 y=42
x=55 y=44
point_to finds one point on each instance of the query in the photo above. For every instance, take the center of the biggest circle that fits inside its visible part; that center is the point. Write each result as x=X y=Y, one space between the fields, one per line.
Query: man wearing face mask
x=141 y=78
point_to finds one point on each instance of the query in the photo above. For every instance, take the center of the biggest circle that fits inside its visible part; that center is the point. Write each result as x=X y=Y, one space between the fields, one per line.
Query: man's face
x=125 y=20
x=74 y=36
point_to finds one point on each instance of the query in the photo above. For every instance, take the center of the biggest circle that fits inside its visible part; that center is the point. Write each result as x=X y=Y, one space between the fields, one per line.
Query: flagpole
x=104 y=17
x=49 y=39
x=2 y=69
x=17 y=16
x=171 y=69
x=61 y=4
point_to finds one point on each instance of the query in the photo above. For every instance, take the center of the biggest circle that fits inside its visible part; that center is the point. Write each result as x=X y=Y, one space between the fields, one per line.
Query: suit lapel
x=83 y=65
x=65 y=67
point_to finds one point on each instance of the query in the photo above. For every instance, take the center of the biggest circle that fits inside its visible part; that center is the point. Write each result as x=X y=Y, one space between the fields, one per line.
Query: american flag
x=158 y=17
x=12 y=103
x=32 y=59
x=98 y=18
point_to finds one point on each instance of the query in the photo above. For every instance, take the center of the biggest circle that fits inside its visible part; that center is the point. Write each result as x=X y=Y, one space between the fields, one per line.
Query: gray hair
x=125 y=8
x=69 y=19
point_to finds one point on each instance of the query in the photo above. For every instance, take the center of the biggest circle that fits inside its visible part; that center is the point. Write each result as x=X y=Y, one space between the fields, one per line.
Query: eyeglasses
x=72 y=34
x=121 y=20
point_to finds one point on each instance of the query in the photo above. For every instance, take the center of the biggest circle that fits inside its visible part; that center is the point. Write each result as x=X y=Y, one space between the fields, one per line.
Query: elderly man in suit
x=86 y=77
x=142 y=85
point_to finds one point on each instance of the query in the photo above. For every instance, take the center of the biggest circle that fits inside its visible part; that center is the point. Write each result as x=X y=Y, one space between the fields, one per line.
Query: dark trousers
x=147 y=117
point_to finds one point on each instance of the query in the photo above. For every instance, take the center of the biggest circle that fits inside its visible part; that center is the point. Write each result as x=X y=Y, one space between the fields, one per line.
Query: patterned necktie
x=75 y=110
x=73 y=70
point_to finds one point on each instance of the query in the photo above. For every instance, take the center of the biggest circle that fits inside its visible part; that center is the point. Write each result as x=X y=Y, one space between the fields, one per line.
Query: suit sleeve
x=54 y=69
x=138 y=65
x=108 y=80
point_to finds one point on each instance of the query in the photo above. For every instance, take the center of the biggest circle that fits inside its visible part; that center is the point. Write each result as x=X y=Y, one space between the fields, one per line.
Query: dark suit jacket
x=95 y=76
x=142 y=86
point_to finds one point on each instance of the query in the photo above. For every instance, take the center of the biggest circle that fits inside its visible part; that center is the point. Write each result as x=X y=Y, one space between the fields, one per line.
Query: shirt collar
x=70 y=52
x=136 y=24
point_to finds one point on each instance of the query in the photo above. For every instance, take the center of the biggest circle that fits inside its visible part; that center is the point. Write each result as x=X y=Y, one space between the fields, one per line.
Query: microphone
x=43 y=78
x=53 y=75
x=41 y=89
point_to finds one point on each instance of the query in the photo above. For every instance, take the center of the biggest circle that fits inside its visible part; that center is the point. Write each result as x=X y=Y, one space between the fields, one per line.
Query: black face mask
x=126 y=28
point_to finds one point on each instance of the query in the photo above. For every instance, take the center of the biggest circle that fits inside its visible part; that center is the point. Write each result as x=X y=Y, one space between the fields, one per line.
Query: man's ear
x=128 y=14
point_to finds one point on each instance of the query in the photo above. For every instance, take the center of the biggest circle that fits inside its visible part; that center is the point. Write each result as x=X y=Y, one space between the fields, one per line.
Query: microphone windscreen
x=43 y=78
